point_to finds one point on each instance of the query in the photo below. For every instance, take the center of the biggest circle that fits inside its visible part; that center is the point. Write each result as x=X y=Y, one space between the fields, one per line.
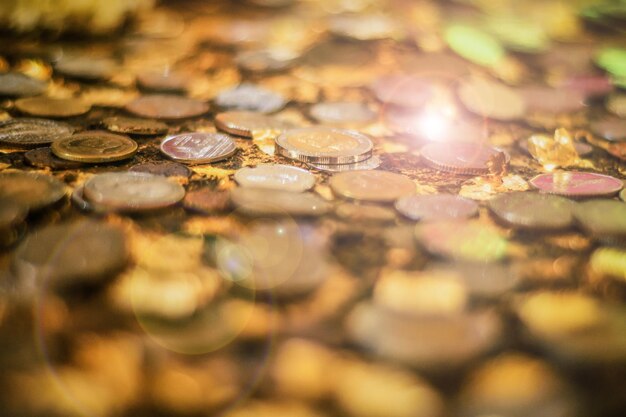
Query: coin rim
x=310 y=183
x=333 y=186
x=199 y=161
x=46 y=123
x=574 y=195
x=119 y=156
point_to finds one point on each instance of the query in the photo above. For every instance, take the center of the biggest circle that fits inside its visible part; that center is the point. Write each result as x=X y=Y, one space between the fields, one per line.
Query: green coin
x=612 y=60
x=474 y=45
x=517 y=34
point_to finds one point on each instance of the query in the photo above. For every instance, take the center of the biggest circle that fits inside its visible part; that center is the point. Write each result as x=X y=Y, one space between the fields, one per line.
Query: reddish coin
x=577 y=184
x=436 y=207
x=461 y=158
x=206 y=201
x=402 y=90
x=198 y=148
x=44 y=158
x=52 y=107
x=162 y=81
x=170 y=107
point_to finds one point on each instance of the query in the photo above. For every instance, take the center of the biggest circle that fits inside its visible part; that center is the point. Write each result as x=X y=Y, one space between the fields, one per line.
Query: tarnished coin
x=32 y=132
x=436 y=207
x=610 y=128
x=530 y=210
x=552 y=100
x=86 y=68
x=52 y=107
x=342 y=113
x=602 y=218
x=132 y=191
x=95 y=147
x=250 y=97
x=166 y=169
x=260 y=202
x=371 y=163
x=276 y=177
x=364 y=213
x=207 y=201
x=488 y=98
x=132 y=126
x=198 y=148
x=265 y=60
x=463 y=158
x=583 y=149
x=44 y=158
x=379 y=186
x=402 y=90
x=243 y=123
x=162 y=81
x=14 y=84
x=322 y=145
x=34 y=191
x=168 y=107
x=577 y=184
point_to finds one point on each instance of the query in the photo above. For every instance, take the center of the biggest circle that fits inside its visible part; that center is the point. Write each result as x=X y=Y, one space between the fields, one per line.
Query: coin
x=339 y=113
x=12 y=213
x=616 y=104
x=162 y=81
x=14 y=84
x=260 y=202
x=602 y=218
x=402 y=90
x=94 y=147
x=376 y=186
x=463 y=158
x=169 y=107
x=275 y=177
x=364 y=27
x=132 y=191
x=436 y=207
x=250 y=97
x=322 y=145
x=198 y=148
x=488 y=98
x=265 y=60
x=44 y=158
x=79 y=201
x=552 y=100
x=618 y=150
x=166 y=169
x=577 y=184
x=207 y=201
x=582 y=149
x=371 y=163
x=25 y=132
x=473 y=44
x=364 y=213
x=530 y=210
x=86 y=68
x=133 y=126
x=610 y=128
x=34 y=191
x=52 y=107
x=243 y=123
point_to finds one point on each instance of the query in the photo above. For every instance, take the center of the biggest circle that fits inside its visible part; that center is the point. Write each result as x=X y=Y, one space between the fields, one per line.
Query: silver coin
x=198 y=148
x=34 y=191
x=27 y=132
x=260 y=202
x=436 y=207
x=276 y=177
x=250 y=97
x=342 y=113
x=132 y=191
x=15 y=84
x=371 y=163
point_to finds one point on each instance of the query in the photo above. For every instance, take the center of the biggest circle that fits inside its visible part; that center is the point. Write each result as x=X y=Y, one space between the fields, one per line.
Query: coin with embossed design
x=243 y=123
x=32 y=132
x=95 y=147
x=198 y=148
x=378 y=186
x=577 y=184
x=323 y=145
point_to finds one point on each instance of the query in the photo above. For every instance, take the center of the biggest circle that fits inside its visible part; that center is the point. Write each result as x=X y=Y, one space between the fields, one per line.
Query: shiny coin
x=533 y=210
x=487 y=98
x=132 y=191
x=44 y=158
x=32 y=132
x=342 y=113
x=402 y=90
x=132 y=126
x=52 y=107
x=86 y=68
x=168 y=107
x=276 y=177
x=207 y=201
x=198 y=148
x=616 y=104
x=321 y=145
x=15 y=84
x=166 y=169
x=378 y=186
x=364 y=213
x=436 y=207
x=259 y=202
x=460 y=158
x=34 y=191
x=582 y=149
x=577 y=184
x=552 y=100
x=602 y=218
x=250 y=97
x=95 y=147
x=243 y=123
x=265 y=60
x=79 y=201
x=610 y=128
x=369 y=164
x=162 y=81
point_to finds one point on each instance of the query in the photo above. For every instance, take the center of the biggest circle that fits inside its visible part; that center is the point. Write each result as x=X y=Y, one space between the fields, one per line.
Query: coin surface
x=487 y=98
x=207 y=201
x=162 y=81
x=44 y=158
x=86 y=68
x=463 y=158
x=243 y=123
x=610 y=128
x=198 y=148
x=94 y=147
x=338 y=113
x=14 y=84
x=602 y=218
x=259 y=202
x=132 y=191
x=577 y=184
x=376 y=186
x=31 y=190
x=133 y=126
x=322 y=145
x=168 y=107
x=25 y=132
x=12 y=213
x=402 y=90
x=552 y=100
x=79 y=201
x=436 y=207
x=533 y=210
x=370 y=163
x=276 y=177
x=166 y=169
x=251 y=98
x=52 y=107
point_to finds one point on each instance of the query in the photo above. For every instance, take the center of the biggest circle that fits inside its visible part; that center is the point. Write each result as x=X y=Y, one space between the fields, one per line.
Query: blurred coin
x=473 y=44
x=582 y=149
x=15 y=84
x=577 y=184
x=166 y=169
x=377 y=186
x=616 y=104
x=168 y=107
x=52 y=107
x=265 y=60
x=79 y=201
x=364 y=213
x=86 y=68
x=533 y=210
x=276 y=177
x=243 y=123
x=487 y=98
x=44 y=158
x=552 y=100
x=371 y=163
x=480 y=279
x=259 y=202
x=34 y=191
x=162 y=81
x=612 y=60
x=94 y=147
x=198 y=148
x=364 y=27
x=207 y=201
x=132 y=126
x=402 y=90
x=602 y=218
x=132 y=191
x=339 y=113
x=463 y=158
x=25 y=132
x=12 y=213
x=322 y=145
x=618 y=150
x=610 y=128
x=436 y=207
x=250 y=97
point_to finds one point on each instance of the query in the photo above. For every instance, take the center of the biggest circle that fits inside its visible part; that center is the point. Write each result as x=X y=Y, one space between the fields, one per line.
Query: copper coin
x=577 y=184
x=265 y=202
x=133 y=126
x=610 y=128
x=32 y=132
x=402 y=90
x=86 y=68
x=376 y=186
x=198 y=148
x=207 y=201
x=602 y=218
x=243 y=123
x=265 y=60
x=488 y=98
x=552 y=100
x=44 y=158
x=583 y=149
x=250 y=97
x=533 y=210
x=52 y=107
x=460 y=158
x=162 y=81
x=15 y=84
x=436 y=207
x=166 y=169
x=168 y=107
x=95 y=147
x=34 y=191
x=339 y=113
x=79 y=201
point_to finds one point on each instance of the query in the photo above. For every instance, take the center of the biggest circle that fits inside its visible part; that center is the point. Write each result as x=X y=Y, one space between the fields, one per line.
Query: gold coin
x=324 y=145
x=52 y=107
x=380 y=186
x=95 y=146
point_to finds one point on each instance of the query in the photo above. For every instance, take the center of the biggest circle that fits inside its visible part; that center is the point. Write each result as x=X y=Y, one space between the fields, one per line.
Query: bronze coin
x=162 y=81
x=166 y=169
x=168 y=107
x=52 y=107
x=24 y=132
x=134 y=126
x=94 y=147
x=207 y=201
x=436 y=207
x=198 y=148
x=86 y=68
x=460 y=158
x=44 y=158
x=15 y=84
x=618 y=150
x=375 y=186
x=530 y=210
x=31 y=190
